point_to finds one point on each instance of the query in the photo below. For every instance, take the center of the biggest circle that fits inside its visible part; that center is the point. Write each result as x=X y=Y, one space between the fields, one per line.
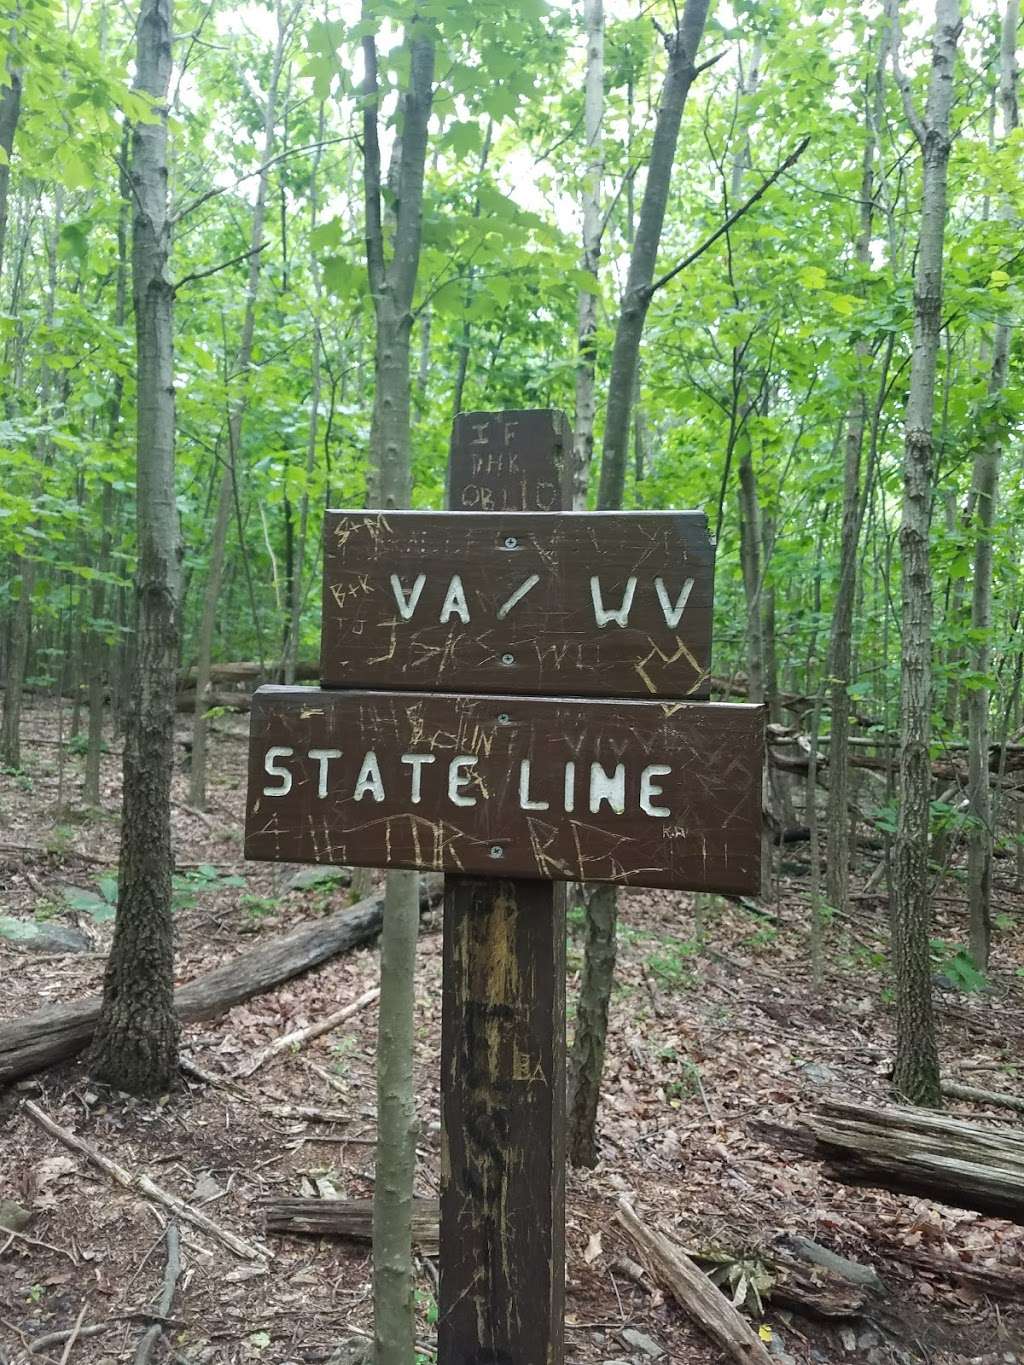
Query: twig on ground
x=191 y=1068
x=35 y=1242
x=144 y=1185
x=333 y=1081
x=173 y=1269
x=299 y=1036
x=73 y=1336
x=55 y=1338
x=309 y=1112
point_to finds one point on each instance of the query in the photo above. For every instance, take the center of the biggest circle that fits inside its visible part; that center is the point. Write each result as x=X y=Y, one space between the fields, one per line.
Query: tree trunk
x=392 y=287
x=136 y=1043
x=395 y=1170
x=101 y=594
x=985 y=484
x=17 y=663
x=682 y=53
x=10 y=111
x=588 y=1046
x=841 y=643
x=586 y=361
x=586 y=1062
x=236 y=417
x=294 y=626
x=916 y=1073
x=750 y=561
x=10 y=732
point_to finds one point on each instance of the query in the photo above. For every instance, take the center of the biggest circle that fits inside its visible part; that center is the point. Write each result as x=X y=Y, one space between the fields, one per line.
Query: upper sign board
x=572 y=604
x=635 y=792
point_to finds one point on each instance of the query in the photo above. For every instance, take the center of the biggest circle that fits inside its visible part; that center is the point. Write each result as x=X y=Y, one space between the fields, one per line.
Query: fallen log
x=49 y=1035
x=250 y=670
x=996 y=1282
x=695 y=1293
x=349 y=1219
x=916 y=1151
x=999 y=1098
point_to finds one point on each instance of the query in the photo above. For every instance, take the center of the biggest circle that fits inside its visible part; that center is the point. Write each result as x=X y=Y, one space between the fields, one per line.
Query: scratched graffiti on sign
x=591 y=603
x=638 y=793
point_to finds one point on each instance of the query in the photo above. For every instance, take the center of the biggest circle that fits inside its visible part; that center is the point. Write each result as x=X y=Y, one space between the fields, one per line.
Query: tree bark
x=136 y=1042
x=392 y=287
x=916 y=1073
x=586 y=331
x=586 y=1061
x=985 y=485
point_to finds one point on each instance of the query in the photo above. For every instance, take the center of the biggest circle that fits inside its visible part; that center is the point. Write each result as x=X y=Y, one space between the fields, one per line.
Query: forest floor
x=707 y=1038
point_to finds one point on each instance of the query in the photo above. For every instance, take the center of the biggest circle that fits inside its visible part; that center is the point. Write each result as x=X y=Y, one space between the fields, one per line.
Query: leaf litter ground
x=715 y=1029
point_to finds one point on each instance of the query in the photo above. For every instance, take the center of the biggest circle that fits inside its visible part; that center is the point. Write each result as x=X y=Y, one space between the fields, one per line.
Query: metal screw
x=503 y=718
x=497 y=851
x=511 y=543
x=508 y=659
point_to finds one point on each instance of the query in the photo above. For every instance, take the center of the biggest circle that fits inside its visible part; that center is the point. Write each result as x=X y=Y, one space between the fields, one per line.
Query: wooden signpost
x=513 y=696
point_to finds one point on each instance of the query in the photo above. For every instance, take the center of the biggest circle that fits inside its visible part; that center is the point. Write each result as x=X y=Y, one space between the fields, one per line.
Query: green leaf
x=812 y=277
x=342 y=277
x=326 y=235
x=75 y=173
x=464 y=138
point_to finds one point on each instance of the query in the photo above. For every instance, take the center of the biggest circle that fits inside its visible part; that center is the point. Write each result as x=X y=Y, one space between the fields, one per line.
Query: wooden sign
x=637 y=793
x=507 y=746
x=585 y=604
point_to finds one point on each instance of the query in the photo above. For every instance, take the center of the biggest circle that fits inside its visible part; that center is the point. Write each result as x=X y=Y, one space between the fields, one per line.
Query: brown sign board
x=638 y=793
x=585 y=604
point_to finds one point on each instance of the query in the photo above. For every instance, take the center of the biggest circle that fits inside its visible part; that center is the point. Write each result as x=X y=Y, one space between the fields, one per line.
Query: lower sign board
x=639 y=793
